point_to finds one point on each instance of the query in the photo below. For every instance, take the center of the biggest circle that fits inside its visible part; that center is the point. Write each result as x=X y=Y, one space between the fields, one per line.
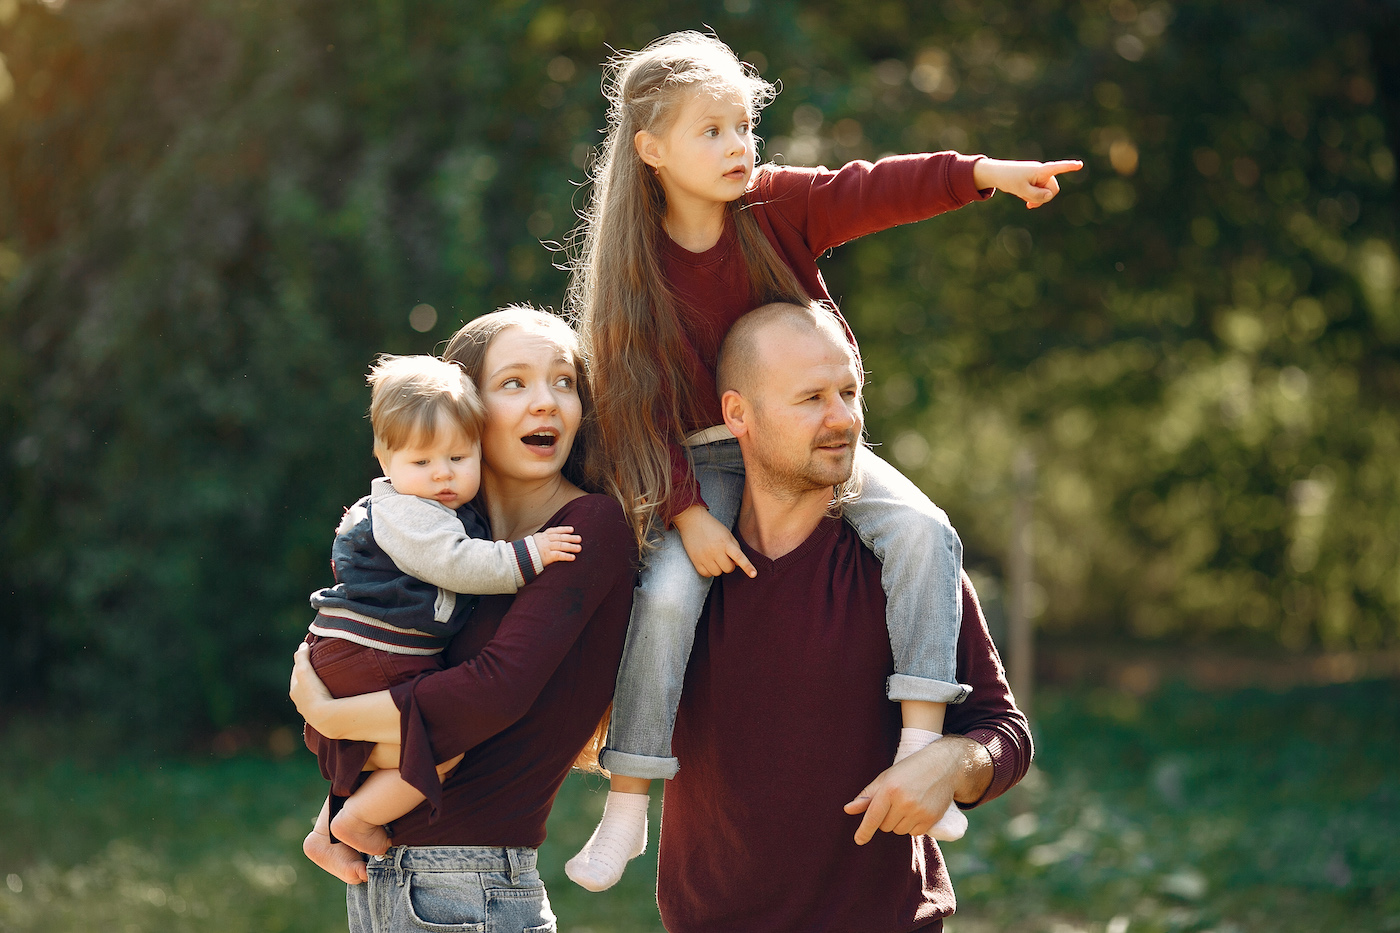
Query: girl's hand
x=709 y=545
x=1032 y=182
x=307 y=690
x=557 y=544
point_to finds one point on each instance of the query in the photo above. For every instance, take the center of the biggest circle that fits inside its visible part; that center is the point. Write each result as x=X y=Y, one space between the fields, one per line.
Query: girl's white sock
x=953 y=823
x=620 y=837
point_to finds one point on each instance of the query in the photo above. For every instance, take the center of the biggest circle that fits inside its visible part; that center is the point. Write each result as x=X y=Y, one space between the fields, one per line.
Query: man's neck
x=775 y=523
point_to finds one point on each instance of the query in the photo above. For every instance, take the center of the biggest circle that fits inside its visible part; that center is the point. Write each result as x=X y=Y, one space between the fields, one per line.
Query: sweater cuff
x=960 y=180
x=417 y=762
x=1009 y=763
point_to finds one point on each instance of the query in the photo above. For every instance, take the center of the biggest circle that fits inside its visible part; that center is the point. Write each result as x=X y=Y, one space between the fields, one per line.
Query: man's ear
x=735 y=409
x=648 y=148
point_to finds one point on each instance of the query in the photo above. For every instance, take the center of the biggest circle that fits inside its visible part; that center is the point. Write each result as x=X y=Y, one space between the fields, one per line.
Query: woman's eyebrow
x=506 y=368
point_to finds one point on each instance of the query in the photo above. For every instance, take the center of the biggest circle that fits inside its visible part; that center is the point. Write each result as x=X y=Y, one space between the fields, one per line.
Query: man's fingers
x=875 y=814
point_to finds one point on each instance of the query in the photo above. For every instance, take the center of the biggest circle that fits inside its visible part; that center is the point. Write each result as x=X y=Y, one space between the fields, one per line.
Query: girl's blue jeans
x=922 y=566
x=477 y=889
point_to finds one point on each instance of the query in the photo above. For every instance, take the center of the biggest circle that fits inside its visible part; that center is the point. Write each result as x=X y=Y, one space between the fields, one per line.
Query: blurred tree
x=214 y=215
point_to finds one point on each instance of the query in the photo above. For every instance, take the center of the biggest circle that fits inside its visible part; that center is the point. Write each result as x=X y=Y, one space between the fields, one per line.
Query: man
x=784 y=816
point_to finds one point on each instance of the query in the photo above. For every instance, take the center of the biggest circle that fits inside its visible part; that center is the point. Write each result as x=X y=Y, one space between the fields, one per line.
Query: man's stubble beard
x=782 y=477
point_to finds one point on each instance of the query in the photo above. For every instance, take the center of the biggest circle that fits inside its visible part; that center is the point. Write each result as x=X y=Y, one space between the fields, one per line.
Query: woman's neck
x=694 y=225
x=517 y=508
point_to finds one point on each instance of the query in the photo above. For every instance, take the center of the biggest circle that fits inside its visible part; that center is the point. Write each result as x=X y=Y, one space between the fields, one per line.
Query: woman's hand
x=308 y=692
x=1032 y=182
x=709 y=545
x=366 y=717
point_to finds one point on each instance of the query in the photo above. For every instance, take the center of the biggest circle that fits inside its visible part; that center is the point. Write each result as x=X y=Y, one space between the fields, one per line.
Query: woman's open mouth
x=544 y=438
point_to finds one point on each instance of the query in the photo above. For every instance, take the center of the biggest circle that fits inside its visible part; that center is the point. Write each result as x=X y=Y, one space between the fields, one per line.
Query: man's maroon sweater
x=782 y=721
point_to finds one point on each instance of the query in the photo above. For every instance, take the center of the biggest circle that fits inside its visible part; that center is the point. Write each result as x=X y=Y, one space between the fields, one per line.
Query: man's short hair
x=739 y=364
x=412 y=397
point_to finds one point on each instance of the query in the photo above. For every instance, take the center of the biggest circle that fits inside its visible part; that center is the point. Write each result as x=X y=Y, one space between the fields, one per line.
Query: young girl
x=684 y=236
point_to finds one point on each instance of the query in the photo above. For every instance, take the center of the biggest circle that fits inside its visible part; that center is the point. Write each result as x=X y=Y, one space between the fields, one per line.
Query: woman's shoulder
x=596 y=512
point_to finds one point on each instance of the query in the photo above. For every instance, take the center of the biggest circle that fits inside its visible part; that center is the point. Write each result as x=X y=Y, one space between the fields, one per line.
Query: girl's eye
x=744 y=129
x=512 y=384
x=712 y=132
x=420 y=463
x=564 y=382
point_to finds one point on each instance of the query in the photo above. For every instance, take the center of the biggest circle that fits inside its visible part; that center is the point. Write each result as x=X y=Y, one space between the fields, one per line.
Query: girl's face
x=707 y=156
x=529 y=387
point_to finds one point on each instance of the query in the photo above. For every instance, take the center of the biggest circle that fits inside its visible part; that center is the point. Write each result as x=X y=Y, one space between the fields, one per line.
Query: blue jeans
x=476 y=889
x=921 y=558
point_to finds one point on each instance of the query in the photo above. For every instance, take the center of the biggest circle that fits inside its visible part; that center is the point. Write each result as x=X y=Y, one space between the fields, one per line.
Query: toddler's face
x=445 y=468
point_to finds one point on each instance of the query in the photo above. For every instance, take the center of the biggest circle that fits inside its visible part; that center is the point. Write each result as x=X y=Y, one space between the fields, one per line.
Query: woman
x=529 y=678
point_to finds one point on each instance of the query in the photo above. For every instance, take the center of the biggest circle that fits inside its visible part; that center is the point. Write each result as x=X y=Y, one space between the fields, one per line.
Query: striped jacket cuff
x=528 y=561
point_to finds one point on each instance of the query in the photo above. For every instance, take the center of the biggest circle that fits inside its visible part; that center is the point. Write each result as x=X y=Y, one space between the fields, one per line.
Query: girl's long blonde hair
x=628 y=314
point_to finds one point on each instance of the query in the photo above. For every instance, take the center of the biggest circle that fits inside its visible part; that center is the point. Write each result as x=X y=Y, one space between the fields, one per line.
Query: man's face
x=806 y=411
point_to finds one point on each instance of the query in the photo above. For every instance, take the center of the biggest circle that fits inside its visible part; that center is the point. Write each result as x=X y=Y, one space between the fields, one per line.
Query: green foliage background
x=213 y=215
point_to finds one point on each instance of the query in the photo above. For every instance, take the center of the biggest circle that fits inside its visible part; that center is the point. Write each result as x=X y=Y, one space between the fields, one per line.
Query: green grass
x=1187 y=811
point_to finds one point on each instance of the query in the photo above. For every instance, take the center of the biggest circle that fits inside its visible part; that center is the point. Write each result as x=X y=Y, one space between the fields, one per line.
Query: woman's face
x=530 y=389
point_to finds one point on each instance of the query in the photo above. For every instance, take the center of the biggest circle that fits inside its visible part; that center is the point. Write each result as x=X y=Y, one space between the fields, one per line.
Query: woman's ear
x=648 y=148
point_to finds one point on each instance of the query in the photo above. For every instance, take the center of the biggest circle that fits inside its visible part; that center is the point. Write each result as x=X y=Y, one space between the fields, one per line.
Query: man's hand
x=908 y=798
x=709 y=545
x=1032 y=182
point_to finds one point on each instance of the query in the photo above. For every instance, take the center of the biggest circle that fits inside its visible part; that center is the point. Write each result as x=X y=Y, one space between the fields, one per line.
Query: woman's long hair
x=628 y=315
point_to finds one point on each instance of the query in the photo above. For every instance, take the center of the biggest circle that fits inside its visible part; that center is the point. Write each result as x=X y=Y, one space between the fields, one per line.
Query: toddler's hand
x=709 y=545
x=557 y=544
x=1033 y=182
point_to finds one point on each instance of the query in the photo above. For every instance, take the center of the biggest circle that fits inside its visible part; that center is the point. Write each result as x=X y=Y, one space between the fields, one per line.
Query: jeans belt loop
x=513 y=860
x=398 y=864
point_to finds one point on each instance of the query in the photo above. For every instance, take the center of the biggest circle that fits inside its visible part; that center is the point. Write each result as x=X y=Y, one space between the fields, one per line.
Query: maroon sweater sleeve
x=829 y=208
x=445 y=713
x=685 y=488
x=989 y=715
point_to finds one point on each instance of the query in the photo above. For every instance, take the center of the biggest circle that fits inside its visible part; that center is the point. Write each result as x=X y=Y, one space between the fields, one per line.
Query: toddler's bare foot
x=369 y=838
x=336 y=858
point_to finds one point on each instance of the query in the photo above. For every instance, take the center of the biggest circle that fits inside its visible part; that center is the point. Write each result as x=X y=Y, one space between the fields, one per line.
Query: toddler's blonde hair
x=412 y=397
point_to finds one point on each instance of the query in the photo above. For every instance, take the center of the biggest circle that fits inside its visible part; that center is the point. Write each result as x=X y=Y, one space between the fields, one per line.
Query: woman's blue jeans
x=463 y=889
